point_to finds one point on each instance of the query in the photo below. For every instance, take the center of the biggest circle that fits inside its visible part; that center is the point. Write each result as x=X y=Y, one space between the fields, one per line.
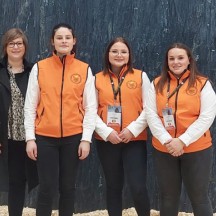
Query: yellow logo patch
x=191 y=91
x=132 y=84
x=76 y=78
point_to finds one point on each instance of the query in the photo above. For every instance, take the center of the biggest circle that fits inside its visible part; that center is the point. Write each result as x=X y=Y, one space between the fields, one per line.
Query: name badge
x=114 y=116
x=168 y=118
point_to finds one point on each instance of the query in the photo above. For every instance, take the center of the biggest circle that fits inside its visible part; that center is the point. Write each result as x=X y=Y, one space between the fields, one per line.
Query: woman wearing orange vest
x=181 y=107
x=120 y=127
x=60 y=115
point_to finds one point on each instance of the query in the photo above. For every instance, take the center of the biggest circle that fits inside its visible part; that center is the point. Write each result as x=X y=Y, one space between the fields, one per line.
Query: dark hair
x=63 y=25
x=107 y=65
x=11 y=35
x=194 y=73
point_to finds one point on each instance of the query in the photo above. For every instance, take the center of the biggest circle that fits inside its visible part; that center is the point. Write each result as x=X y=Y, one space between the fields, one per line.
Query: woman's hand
x=84 y=149
x=126 y=135
x=114 y=137
x=31 y=149
x=0 y=148
x=175 y=147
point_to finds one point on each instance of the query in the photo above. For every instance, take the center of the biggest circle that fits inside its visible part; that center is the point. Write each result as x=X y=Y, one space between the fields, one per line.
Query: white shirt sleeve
x=31 y=103
x=155 y=124
x=90 y=107
x=205 y=119
x=102 y=129
x=137 y=126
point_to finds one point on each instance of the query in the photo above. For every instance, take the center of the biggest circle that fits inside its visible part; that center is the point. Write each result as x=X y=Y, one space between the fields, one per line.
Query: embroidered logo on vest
x=76 y=78
x=131 y=84
x=191 y=91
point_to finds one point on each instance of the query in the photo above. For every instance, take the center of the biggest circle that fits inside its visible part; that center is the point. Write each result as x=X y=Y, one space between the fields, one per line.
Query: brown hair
x=63 y=25
x=11 y=35
x=107 y=65
x=194 y=73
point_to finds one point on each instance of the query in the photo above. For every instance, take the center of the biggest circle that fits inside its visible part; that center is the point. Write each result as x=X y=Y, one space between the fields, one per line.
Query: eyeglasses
x=12 y=44
x=116 y=52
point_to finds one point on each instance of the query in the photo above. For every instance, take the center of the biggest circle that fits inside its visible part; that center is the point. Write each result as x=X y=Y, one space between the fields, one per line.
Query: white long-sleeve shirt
x=195 y=130
x=33 y=97
x=136 y=126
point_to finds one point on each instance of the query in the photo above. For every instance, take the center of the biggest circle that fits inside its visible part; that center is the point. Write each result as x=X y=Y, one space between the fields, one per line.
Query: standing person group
x=16 y=169
x=64 y=103
x=181 y=106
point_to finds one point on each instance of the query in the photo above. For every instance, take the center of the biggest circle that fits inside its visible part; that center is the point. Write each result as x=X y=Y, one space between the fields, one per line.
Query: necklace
x=15 y=70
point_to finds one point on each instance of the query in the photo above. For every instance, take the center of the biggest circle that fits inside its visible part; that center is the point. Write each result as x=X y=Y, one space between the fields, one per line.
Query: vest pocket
x=101 y=114
x=39 y=115
x=81 y=112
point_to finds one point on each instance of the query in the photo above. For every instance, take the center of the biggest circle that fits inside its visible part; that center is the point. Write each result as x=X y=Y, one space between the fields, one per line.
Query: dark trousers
x=191 y=168
x=17 y=176
x=57 y=169
x=129 y=159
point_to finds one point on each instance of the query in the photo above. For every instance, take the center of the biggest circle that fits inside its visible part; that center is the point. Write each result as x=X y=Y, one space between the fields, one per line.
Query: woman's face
x=118 y=55
x=63 y=41
x=15 y=49
x=178 y=60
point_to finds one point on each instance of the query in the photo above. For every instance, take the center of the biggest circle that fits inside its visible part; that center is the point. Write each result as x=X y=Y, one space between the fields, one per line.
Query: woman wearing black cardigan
x=15 y=167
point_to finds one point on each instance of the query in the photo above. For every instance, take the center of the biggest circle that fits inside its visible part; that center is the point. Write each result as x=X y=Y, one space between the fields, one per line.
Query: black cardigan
x=5 y=99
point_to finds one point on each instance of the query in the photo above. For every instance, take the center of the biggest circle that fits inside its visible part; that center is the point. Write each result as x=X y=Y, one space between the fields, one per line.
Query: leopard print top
x=16 y=129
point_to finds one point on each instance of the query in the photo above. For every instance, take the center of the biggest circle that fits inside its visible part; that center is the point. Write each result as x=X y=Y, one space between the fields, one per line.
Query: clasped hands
x=124 y=136
x=175 y=147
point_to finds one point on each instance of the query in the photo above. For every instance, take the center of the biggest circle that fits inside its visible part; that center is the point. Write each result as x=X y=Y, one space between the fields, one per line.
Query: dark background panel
x=150 y=26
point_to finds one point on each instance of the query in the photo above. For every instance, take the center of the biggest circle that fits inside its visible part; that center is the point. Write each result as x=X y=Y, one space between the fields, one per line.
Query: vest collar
x=123 y=70
x=65 y=59
x=185 y=74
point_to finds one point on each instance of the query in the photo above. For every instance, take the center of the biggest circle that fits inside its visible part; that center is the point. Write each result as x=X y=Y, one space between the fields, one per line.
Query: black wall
x=150 y=26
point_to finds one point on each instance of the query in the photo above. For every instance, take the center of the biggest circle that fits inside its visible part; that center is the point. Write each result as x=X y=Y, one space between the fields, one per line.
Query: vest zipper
x=176 y=104
x=62 y=86
x=121 y=107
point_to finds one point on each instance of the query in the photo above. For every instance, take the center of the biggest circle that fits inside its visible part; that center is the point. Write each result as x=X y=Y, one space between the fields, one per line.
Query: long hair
x=194 y=73
x=11 y=35
x=64 y=25
x=107 y=65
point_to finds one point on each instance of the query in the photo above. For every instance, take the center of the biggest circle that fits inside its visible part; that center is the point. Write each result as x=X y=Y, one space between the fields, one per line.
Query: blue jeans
x=129 y=159
x=191 y=168
x=57 y=164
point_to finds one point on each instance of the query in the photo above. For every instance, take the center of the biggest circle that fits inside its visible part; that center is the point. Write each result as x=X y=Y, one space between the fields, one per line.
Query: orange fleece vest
x=60 y=112
x=186 y=109
x=130 y=98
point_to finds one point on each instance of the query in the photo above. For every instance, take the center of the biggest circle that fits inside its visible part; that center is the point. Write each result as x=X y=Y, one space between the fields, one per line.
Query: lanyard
x=175 y=90
x=116 y=91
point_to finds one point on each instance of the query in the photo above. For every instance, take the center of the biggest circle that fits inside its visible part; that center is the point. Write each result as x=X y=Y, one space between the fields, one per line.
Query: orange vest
x=185 y=105
x=60 y=112
x=129 y=97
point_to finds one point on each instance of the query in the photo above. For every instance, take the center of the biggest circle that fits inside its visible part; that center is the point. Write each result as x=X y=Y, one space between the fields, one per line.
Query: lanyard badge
x=168 y=118
x=167 y=112
x=114 y=116
x=114 y=112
